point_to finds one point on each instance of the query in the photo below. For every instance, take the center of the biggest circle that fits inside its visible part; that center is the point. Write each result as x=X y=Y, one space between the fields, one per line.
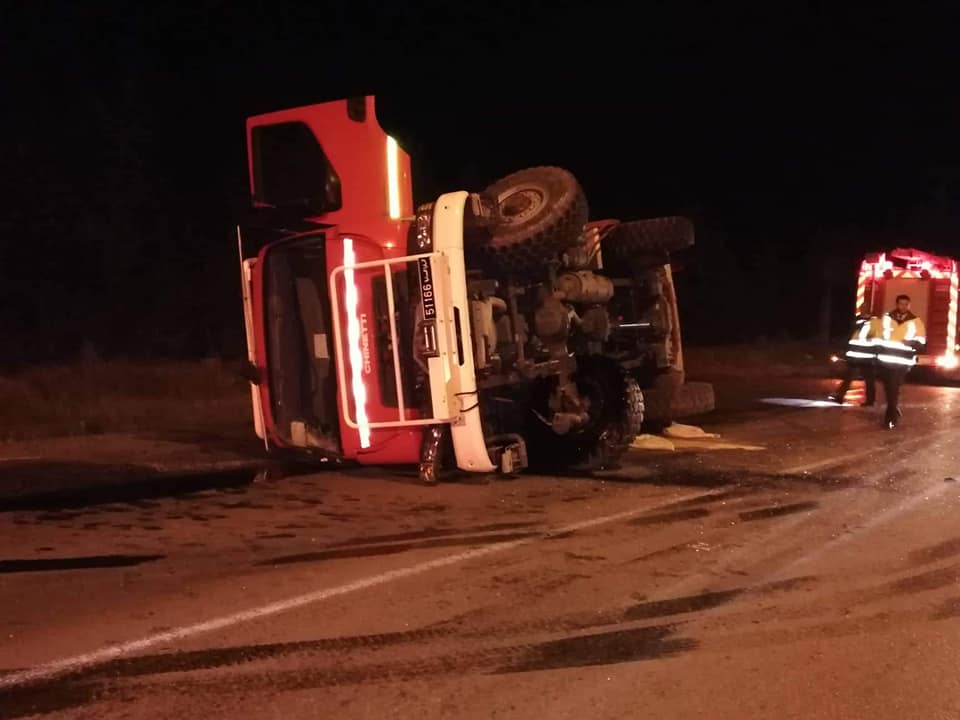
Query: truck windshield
x=291 y=171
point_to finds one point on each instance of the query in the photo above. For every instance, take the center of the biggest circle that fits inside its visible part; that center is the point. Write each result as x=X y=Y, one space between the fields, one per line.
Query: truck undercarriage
x=563 y=337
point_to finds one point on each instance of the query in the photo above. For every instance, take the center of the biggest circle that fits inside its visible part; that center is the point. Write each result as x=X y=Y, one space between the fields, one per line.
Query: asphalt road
x=818 y=577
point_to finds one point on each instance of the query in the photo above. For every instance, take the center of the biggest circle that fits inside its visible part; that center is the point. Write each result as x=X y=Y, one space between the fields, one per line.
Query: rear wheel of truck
x=630 y=241
x=693 y=398
x=541 y=212
x=666 y=402
x=616 y=409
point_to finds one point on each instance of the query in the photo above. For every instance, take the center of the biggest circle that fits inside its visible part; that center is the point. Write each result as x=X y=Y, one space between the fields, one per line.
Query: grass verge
x=190 y=398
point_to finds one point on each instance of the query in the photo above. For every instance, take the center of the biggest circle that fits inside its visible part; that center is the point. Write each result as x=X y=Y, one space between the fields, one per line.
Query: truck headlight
x=423 y=229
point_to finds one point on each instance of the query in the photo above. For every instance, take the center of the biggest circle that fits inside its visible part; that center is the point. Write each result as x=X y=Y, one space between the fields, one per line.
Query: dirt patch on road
x=778 y=511
x=932 y=580
x=41 y=485
x=74 y=563
x=392 y=549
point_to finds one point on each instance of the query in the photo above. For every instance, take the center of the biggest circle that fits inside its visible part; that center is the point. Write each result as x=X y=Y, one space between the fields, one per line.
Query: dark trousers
x=893 y=378
x=869 y=374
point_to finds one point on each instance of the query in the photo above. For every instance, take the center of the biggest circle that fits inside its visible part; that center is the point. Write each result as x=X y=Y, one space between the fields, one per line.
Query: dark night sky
x=795 y=139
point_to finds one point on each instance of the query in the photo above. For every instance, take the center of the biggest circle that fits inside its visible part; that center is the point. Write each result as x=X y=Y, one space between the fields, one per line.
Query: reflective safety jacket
x=903 y=337
x=861 y=347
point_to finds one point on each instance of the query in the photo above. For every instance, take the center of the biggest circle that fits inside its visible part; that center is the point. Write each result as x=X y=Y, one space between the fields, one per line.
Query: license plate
x=428 y=294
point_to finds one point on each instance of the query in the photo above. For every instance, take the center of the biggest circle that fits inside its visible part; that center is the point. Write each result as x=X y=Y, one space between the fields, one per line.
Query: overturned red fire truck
x=487 y=331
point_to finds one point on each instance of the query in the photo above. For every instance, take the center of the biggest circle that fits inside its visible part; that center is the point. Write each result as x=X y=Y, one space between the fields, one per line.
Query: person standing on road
x=861 y=358
x=903 y=337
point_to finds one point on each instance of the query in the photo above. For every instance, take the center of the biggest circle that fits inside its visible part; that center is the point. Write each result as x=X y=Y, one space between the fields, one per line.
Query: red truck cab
x=352 y=199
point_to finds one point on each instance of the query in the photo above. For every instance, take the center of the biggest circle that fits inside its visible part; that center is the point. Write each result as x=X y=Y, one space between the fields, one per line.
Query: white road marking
x=56 y=668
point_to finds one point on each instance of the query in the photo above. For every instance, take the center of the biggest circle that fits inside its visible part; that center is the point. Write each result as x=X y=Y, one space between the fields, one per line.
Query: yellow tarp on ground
x=652 y=442
x=687 y=437
x=687 y=432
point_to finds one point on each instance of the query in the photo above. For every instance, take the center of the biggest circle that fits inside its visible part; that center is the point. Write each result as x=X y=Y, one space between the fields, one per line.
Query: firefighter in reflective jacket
x=903 y=337
x=861 y=358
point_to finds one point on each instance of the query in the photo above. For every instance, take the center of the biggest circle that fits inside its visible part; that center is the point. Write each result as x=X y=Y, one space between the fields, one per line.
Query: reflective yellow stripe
x=894 y=345
x=895 y=360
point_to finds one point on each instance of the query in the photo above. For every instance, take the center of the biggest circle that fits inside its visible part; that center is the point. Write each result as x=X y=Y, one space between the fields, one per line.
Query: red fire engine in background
x=932 y=283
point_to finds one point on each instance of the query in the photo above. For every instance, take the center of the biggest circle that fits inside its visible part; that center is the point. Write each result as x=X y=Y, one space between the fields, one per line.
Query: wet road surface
x=819 y=577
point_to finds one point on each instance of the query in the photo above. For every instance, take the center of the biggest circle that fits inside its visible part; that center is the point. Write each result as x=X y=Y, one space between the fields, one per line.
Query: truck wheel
x=658 y=400
x=542 y=211
x=629 y=426
x=643 y=237
x=617 y=409
x=693 y=398
x=665 y=403
x=616 y=416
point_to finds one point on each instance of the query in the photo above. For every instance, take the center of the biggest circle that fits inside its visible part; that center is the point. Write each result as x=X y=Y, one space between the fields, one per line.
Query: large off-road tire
x=616 y=417
x=542 y=211
x=693 y=398
x=666 y=402
x=640 y=238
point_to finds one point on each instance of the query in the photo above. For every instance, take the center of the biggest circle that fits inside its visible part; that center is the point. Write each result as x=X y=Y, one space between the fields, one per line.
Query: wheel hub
x=521 y=204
